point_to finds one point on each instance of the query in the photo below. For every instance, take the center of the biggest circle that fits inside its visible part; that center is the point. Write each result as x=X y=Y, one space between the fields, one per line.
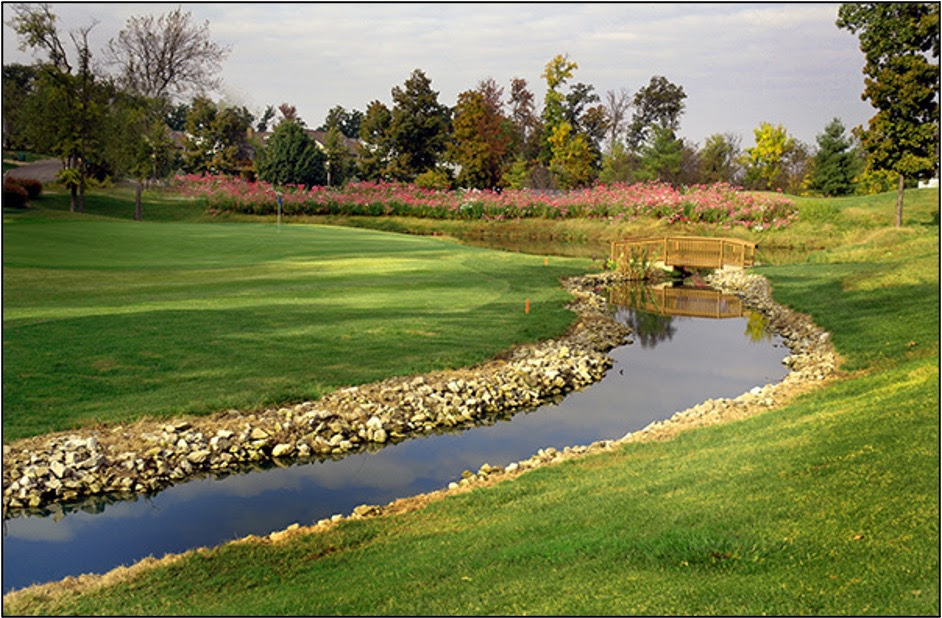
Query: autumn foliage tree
x=480 y=142
x=766 y=163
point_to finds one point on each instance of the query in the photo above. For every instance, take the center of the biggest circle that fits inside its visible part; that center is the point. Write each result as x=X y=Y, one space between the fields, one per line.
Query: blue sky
x=739 y=64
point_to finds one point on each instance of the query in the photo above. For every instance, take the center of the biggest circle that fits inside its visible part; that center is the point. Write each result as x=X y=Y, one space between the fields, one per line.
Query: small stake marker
x=527 y=308
x=546 y=261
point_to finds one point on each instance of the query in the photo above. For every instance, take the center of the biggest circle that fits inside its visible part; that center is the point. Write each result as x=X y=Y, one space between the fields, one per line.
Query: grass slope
x=107 y=320
x=828 y=506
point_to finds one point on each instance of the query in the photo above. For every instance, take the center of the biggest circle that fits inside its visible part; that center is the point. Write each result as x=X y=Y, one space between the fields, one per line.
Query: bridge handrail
x=693 y=251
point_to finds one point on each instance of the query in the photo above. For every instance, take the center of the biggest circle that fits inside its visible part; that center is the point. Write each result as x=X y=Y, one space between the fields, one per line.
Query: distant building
x=932 y=183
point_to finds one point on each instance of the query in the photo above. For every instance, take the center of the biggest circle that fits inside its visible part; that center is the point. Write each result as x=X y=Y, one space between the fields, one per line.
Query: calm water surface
x=674 y=362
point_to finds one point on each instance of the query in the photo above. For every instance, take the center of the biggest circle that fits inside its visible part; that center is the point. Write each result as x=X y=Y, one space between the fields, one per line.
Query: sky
x=739 y=64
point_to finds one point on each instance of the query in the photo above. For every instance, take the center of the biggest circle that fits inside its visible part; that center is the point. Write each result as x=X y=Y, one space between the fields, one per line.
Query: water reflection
x=646 y=383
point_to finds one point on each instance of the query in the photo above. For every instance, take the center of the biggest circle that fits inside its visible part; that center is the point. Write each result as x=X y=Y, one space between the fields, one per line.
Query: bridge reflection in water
x=679 y=300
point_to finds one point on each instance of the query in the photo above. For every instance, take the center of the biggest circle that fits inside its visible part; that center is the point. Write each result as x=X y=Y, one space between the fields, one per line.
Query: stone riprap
x=150 y=455
x=812 y=363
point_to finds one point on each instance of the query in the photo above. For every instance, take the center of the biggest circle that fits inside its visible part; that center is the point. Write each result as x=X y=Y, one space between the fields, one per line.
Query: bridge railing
x=685 y=251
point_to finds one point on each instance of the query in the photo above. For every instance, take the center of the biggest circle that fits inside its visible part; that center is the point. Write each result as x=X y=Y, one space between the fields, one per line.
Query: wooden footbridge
x=683 y=252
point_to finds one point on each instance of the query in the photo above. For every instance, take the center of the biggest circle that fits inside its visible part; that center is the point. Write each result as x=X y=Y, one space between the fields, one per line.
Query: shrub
x=14 y=196
x=32 y=186
x=433 y=179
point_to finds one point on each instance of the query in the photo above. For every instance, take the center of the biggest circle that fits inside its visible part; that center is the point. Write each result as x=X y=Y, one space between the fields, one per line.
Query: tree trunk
x=72 y=197
x=899 y=200
x=138 y=213
x=81 y=188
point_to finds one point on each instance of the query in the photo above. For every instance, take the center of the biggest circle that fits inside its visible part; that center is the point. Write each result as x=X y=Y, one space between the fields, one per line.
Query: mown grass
x=829 y=506
x=107 y=320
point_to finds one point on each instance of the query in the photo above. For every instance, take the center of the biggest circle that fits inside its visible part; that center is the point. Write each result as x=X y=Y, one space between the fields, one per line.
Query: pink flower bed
x=720 y=203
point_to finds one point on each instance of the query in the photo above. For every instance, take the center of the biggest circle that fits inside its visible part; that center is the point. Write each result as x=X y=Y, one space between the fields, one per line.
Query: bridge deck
x=684 y=251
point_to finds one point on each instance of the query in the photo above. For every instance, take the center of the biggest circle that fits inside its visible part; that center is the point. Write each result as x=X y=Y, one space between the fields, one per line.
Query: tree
x=167 y=56
x=337 y=158
x=572 y=162
x=836 y=164
x=215 y=139
x=618 y=165
x=347 y=122
x=660 y=103
x=661 y=156
x=526 y=123
x=418 y=128
x=374 y=146
x=719 y=159
x=291 y=157
x=73 y=92
x=480 y=140
x=261 y=125
x=556 y=72
x=766 y=161
x=138 y=141
x=19 y=83
x=616 y=109
x=897 y=40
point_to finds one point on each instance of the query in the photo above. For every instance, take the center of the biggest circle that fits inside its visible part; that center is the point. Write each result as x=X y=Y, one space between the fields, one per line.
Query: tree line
x=131 y=121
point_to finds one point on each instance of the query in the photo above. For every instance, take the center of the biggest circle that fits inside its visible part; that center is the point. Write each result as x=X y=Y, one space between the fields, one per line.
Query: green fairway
x=827 y=506
x=109 y=320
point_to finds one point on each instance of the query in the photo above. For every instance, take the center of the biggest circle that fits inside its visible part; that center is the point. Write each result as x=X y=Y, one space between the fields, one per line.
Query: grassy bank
x=829 y=506
x=108 y=320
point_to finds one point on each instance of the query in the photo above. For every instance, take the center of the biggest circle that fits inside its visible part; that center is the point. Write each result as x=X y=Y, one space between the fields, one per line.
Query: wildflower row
x=719 y=203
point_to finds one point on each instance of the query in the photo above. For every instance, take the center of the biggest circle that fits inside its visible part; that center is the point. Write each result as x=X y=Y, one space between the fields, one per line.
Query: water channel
x=674 y=362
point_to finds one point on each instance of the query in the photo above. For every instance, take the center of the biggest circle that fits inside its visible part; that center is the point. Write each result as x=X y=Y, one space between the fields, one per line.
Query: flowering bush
x=719 y=203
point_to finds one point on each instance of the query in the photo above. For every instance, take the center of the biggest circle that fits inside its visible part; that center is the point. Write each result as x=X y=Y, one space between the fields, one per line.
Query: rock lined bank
x=149 y=455
x=812 y=362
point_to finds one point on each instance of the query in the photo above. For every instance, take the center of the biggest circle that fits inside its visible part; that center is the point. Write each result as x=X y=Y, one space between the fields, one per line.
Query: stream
x=674 y=362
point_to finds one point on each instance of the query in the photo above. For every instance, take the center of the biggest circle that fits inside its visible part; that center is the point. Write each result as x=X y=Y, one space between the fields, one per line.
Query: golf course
x=826 y=505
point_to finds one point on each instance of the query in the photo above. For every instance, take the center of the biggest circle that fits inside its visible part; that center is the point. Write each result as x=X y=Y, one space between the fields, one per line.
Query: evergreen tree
x=835 y=164
x=291 y=157
x=662 y=156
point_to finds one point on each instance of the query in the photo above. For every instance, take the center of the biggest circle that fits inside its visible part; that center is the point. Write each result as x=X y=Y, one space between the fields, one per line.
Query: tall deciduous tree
x=616 y=111
x=572 y=162
x=766 y=162
x=660 y=103
x=556 y=73
x=525 y=120
x=480 y=140
x=215 y=139
x=719 y=159
x=75 y=93
x=898 y=40
x=418 y=129
x=166 y=56
x=19 y=83
x=836 y=164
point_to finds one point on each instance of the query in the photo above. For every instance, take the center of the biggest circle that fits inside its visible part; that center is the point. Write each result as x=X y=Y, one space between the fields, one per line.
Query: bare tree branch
x=167 y=56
